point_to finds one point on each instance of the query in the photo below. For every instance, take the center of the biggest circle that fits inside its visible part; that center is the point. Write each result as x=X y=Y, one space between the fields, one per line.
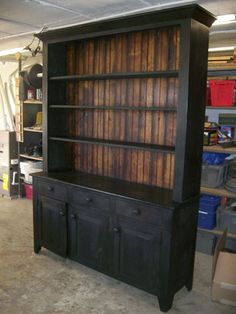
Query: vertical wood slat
x=131 y=52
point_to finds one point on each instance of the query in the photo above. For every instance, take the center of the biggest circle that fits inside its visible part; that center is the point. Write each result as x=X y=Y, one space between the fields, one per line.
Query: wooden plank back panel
x=152 y=168
x=149 y=50
x=157 y=127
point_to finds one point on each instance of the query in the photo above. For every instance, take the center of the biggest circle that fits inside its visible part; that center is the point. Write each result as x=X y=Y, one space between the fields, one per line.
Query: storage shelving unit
x=222 y=73
x=31 y=157
x=30 y=109
x=122 y=101
x=217 y=191
x=219 y=233
x=31 y=136
x=219 y=149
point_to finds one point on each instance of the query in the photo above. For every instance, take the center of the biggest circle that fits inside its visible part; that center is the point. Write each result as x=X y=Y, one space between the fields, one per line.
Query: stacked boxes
x=207 y=211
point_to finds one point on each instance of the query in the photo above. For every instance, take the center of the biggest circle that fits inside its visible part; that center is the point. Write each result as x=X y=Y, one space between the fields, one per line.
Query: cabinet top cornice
x=126 y=23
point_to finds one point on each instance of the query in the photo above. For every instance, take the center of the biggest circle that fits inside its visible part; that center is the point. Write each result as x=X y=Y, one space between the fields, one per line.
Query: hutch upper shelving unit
x=123 y=107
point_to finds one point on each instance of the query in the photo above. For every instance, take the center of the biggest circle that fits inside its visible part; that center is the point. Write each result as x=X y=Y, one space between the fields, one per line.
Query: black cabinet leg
x=37 y=248
x=165 y=302
x=189 y=285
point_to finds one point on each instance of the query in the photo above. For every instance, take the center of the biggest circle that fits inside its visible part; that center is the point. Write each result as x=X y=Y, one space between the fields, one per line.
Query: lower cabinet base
x=148 y=246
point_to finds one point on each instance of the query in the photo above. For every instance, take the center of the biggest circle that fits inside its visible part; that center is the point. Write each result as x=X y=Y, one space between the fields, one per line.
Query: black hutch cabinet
x=123 y=106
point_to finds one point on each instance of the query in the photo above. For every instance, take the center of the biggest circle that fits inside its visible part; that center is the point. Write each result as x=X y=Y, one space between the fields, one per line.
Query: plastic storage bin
x=209 y=203
x=206 y=220
x=207 y=211
x=28 y=191
x=213 y=176
x=222 y=93
x=226 y=219
x=205 y=242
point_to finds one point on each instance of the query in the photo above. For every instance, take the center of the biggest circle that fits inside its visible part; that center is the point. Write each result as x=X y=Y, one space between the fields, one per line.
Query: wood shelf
x=218 y=191
x=32 y=102
x=159 y=108
x=219 y=149
x=221 y=72
x=220 y=108
x=112 y=186
x=218 y=232
x=31 y=157
x=32 y=130
x=131 y=145
x=121 y=75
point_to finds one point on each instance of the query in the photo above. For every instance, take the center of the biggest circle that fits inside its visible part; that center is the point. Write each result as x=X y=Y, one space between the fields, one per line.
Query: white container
x=27 y=167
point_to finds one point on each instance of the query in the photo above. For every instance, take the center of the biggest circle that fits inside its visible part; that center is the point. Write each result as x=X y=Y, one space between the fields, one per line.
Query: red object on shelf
x=208 y=95
x=28 y=191
x=222 y=93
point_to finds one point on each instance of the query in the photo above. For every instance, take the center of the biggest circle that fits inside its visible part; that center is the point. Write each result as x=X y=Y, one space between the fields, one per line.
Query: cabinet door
x=139 y=245
x=53 y=225
x=89 y=237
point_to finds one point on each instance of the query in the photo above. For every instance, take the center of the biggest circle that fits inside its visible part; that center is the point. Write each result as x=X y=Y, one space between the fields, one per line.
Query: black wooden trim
x=45 y=107
x=143 y=19
x=131 y=145
x=108 y=76
x=190 y=114
x=55 y=56
x=85 y=107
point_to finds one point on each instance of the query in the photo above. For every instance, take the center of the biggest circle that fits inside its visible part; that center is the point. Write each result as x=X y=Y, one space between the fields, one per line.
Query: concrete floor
x=47 y=283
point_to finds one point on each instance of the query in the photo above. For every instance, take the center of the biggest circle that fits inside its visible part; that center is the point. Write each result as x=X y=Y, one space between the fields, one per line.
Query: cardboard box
x=224 y=274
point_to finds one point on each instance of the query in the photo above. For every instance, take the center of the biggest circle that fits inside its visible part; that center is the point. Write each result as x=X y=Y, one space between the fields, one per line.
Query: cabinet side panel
x=55 y=123
x=190 y=116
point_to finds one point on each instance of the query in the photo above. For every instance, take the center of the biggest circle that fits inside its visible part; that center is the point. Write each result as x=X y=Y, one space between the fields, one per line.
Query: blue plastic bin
x=207 y=211
x=206 y=220
x=209 y=203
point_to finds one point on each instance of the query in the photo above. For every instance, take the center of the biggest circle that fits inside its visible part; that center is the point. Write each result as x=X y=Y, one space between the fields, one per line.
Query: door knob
x=89 y=199
x=50 y=188
x=116 y=229
x=62 y=213
x=136 y=211
x=73 y=216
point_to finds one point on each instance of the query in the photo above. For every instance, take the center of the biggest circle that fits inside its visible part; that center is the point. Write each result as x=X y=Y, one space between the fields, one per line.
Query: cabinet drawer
x=52 y=189
x=89 y=199
x=139 y=211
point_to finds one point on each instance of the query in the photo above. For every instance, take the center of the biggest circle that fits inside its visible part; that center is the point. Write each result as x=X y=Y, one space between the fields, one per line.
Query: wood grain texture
x=149 y=50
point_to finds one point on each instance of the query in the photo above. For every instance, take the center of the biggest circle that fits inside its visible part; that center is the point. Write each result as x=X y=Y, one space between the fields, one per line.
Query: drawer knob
x=116 y=229
x=136 y=211
x=50 y=189
x=73 y=216
x=62 y=213
x=89 y=199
